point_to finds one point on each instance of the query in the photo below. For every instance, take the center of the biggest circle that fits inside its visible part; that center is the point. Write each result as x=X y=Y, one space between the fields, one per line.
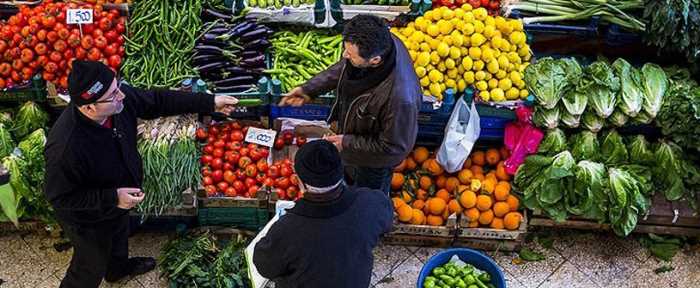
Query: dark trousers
x=373 y=178
x=99 y=251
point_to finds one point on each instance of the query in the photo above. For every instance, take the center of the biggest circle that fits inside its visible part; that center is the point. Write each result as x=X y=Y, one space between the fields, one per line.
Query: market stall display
x=464 y=47
x=493 y=6
x=278 y=4
x=679 y=116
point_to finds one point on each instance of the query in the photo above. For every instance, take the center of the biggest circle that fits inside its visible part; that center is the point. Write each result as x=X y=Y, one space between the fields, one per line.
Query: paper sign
x=79 y=16
x=262 y=137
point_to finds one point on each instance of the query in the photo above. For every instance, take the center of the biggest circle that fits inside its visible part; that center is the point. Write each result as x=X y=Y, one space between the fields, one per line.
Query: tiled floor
x=576 y=260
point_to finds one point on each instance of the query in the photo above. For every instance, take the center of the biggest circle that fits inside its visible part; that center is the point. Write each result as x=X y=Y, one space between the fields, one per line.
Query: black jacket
x=86 y=162
x=326 y=244
x=382 y=123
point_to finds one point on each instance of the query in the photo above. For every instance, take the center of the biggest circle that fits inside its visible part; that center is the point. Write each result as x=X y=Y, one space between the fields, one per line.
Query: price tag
x=79 y=16
x=262 y=137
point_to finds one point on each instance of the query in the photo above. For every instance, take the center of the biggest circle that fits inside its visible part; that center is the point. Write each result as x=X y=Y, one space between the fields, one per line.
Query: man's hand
x=224 y=104
x=129 y=197
x=295 y=98
x=337 y=140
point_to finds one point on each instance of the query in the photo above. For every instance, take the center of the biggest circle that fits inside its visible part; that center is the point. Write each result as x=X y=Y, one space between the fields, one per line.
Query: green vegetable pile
x=29 y=117
x=170 y=162
x=606 y=178
x=679 y=117
x=456 y=273
x=612 y=12
x=596 y=96
x=300 y=56
x=201 y=260
x=674 y=26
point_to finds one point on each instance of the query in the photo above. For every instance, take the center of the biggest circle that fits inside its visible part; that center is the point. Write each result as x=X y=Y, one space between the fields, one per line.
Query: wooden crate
x=426 y=230
x=417 y=240
x=261 y=201
x=489 y=233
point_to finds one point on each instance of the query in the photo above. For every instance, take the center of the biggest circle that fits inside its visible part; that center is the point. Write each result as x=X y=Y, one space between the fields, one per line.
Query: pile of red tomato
x=37 y=39
x=493 y=6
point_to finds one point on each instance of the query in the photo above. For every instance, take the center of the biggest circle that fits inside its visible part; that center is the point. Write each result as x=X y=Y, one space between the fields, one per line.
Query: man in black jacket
x=377 y=101
x=327 y=239
x=94 y=171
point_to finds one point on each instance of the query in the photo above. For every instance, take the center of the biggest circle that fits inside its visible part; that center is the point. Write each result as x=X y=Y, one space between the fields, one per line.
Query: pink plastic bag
x=521 y=139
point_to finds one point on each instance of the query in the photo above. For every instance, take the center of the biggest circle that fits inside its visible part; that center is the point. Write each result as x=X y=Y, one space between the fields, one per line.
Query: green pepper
x=468 y=269
x=473 y=286
x=469 y=279
x=460 y=284
x=452 y=271
x=447 y=279
x=428 y=284
x=480 y=284
x=438 y=271
x=431 y=278
x=485 y=277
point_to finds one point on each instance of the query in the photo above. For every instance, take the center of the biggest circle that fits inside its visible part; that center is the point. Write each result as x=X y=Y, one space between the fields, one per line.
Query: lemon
x=497 y=95
x=455 y=53
x=520 y=84
x=443 y=49
x=433 y=30
x=445 y=27
x=467 y=63
x=469 y=77
x=513 y=48
x=489 y=31
x=423 y=58
x=523 y=51
x=468 y=29
x=433 y=43
x=428 y=15
x=448 y=40
x=425 y=81
x=490 y=21
x=478 y=26
x=505 y=46
x=441 y=67
x=460 y=69
x=417 y=37
x=413 y=55
x=513 y=58
x=510 y=67
x=477 y=39
x=492 y=67
x=493 y=83
x=488 y=76
x=457 y=39
x=478 y=65
x=505 y=84
x=484 y=95
x=435 y=76
x=527 y=57
x=501 y=74
x=524 y=93
x=481 y=85
x=452 y=73
x=486 y=54
x=517 y=38
x=465 y=51
x=512 y=94
x=448 y=14
x=479 y=76
x=421 y=23
x=503 y=61
x=407 y=31
x=435 y=89
x=450 y=83
x=424 y=47
x=500 y=22
x=449 y=63
x=461 y=85
x=469 y=17
x=475 y=52
x=420 y=71
x=442 y=87
x=480 y=14
x=516 y=25
x=515 y=76
x=434 y=58
x=466 y=7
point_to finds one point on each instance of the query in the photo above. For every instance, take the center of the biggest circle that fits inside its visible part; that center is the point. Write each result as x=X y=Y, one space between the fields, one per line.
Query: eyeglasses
x=113 y=96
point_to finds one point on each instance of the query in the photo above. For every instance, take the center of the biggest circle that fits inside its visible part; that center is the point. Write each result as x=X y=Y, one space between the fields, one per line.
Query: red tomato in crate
x=222 y=186
x=229 y=176
x=282 y=182
x=250 y=182
x=251 y=170
x=286 y=171
x=217 y=175
x=211 y=190
x=239 y=186
x=201 y=134
x=206 y=159
x=281 y=194
x=206 y=181
x=262 y=165
x=274 y=171
x=231 y=192
x=218 y=153
x=228 y=166
x=253 y=191
x=292 y=192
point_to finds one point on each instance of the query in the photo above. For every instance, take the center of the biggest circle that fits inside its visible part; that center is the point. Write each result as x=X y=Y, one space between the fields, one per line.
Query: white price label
x=79 y=16
x=262 y=137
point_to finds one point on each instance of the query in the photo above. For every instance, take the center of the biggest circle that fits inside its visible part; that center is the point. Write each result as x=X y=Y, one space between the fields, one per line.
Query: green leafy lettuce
x=547 y=80
x=592 y=122
x=584 y=146
x=640 y=151
x=655 y=85
x=630 y=97
x=554 y=141
x=546 y=118
x=603 y=88
x=612 y=148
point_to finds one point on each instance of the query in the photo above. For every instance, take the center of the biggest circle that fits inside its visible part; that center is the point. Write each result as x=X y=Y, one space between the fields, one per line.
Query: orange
x=505 y=153
x=477 y=169
x=501 y=173
x=461 y=189
x=432 y=166
x=433 y=220
x=454 y=207
x=513 y=203
x=500 y=209
x=443 y=194
x=396 y=181
x=402 y=166
x=483 y=202
x=488 y=185
x=436 y=206
x=467 y=164
x=420 y=154
x=478 y=176
x=422 y=194
x=451 y=184
x=512 y=220
x=467 y=199
x=502 y=191
x=465 y=176
x=418 y=204
x=406 y=196
x=441 y=181
x=425 y=182
x=472 y=214
x=446 y=214
x=497 y=223
x=418 y=217
x=405 y=213
x=493 y=156
x=478 y=158
x=398 y=202
x=411 y=164
x=486 y=217
x=474 y=224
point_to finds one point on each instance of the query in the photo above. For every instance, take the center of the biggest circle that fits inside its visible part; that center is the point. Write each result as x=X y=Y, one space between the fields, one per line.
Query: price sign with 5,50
x=79 y=16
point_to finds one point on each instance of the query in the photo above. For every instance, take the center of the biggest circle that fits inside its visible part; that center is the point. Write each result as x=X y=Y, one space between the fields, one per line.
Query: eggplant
x=216 y=14
x=211 y=49
x=218 y=31
x=205 y=59
x=218 y=43
x=235 y=80
x=212 y=66
x=258 y=33
x=234 y=88
x=259 y=44
x=253 y=62
x=241 y=29
x=250 y=54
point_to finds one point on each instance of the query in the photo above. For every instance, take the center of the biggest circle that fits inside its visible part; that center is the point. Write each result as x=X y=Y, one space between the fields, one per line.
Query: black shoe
x=135 y=266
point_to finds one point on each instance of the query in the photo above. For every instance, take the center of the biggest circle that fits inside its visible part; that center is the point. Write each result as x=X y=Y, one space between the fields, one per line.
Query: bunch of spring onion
x=620 y=12
x=170 y=162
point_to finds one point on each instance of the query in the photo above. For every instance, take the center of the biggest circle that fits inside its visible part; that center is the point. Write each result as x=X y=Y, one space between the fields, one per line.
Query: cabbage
x=630 y=97
x=29 y=118
x=568 y=120
x=670 y=170
x=602 y=89
x=655 y=83
x=618 y=119
x=546 y=118
x=588 y=198
x=592 y=122
x=584 y=146
x=639 y=150
x=627 y=200
x=554 y=142
x=642 y=118
x=574 y=99
x=547 y=80
x=612 y=149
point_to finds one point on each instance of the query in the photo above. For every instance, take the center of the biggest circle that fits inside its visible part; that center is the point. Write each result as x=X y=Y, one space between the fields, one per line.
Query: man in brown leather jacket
x=377 y=101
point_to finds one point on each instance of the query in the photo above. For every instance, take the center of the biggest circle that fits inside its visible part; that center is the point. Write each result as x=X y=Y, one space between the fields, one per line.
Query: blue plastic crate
x=493 y=122
x=617 y=36
x=491 y=134
x=306 y=112
x=534 y=30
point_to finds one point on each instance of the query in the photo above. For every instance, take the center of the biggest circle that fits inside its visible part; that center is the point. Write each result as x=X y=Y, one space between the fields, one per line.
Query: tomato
x=51 y=67
x=208 y=149
x=218 y=152
x=484 y=3
x=252 y=146
x=494 y=5
x=115 y=61
x=73 y=40
x=294 y=179
x=281 y=194
x=25 y=31
x=55 y=56
x=27 y=55
x=292 y=192
x=274 y=171
x=80 y=53
x=245 y=151
x=205 y=160
x=94 y=54
x=207 y=180
x=48 y=21
x=211 y=139
x=288 y=137
x=232 y=157
x=27 y=73
x=63 y=33
x=244 y=161
x=120 y=42
x=61 y=17
x=239 y=186
x=217 y=175
x=217 y=163
x=17 y=64
x=201 y=134
x=68 y=54
x=287 y=162
x=63 y=82
x=260 y=177
x=301 y=140
x=253 y=191
x=279 y=143
x=87 y=42
x=240 y=174
x=3 y=46
x=474 y=3
x=6 y=33
x=41 y=49
x=255 y=154
x=105 y=24
x=231 y=192
x=282 y=182
x=264 y=152
x=286 y=171
x=262 y=165
x=111 y=49
x=5 y=69
x=222 y=186
x=251 y=170
x=211 y=190
x=227 y=166
x=250 y=182
x=236 y=135
x=48 y=76
x=120 y=28
x=229 y=176
x=100 y=42
x=60 y=45
x=236 y=145
x=88 y=29
x=268 y=182
x=96 y=33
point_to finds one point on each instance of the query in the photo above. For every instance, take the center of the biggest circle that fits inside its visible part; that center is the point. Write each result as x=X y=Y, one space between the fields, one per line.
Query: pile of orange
x=425 y=195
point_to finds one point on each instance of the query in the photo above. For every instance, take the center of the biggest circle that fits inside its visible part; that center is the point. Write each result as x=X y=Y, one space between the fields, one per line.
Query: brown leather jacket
x=381 y=124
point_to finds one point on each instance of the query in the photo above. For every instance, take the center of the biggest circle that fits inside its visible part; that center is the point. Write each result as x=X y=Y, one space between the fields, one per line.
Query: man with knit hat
x=326 y=240
x=94 y=172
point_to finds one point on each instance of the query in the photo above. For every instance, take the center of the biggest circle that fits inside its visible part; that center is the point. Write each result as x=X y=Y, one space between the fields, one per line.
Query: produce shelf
x=246 y=218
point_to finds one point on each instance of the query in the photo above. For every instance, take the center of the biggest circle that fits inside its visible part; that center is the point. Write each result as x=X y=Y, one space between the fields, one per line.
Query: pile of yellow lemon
x=463 y=47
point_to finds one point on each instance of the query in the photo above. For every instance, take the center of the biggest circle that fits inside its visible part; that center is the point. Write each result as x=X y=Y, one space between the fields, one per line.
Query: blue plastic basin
x=473 y=257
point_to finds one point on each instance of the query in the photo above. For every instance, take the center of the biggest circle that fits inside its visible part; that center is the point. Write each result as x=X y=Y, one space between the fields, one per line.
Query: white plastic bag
x=461 y=133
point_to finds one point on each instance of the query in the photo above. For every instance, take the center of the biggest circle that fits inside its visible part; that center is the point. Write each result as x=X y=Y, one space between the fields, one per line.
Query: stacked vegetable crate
x=32 y=91
x=319 y=109
x=488 y=238
x=423 y=235
x=302 y=12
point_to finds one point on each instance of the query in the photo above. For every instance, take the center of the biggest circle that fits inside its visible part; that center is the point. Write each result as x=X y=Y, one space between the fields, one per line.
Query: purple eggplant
x=259 y=33
x=212 y=66
x=241 y=29
x=205 y=59
x=260 y=44
x=234 y=88
x=235 y=80
x=253 y=62
x=250 y=54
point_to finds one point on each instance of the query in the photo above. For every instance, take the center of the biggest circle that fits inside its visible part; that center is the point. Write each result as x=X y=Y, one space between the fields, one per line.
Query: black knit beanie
x=88 y=81
x=318 y=164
